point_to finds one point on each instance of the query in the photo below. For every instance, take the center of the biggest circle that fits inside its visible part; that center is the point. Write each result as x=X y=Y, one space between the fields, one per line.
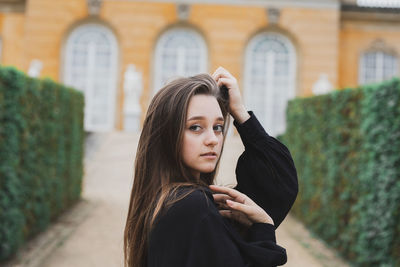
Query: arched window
x=270 y=74
x=179 y=52
x=90 y=65
x=377 y=65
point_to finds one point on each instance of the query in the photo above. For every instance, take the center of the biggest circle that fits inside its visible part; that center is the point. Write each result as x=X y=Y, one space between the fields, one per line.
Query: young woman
x=176 y=216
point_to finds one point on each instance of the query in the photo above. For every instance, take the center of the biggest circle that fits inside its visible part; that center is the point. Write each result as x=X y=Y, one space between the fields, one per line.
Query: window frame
x=67 y=78
x=158 y=56
x=269 y=87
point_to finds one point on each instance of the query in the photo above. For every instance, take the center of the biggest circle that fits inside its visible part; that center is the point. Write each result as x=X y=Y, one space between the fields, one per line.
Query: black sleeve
x=265 y=171
x=214 y=245
x=195 y=235
x=262 y=238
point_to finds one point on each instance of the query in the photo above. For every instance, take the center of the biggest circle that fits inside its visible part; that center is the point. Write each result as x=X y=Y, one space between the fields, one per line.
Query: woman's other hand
x=236 y=106
x=236 y=205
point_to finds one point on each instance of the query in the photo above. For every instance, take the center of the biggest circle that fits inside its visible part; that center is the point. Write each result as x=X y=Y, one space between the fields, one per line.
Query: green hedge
x=346 y=147
x=41 y=150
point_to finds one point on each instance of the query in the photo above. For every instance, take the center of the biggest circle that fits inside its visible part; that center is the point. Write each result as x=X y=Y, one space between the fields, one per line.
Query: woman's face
x=203 y=135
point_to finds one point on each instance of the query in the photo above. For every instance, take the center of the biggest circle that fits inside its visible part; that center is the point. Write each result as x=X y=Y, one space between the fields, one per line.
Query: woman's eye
x=219 y=128
x=195 y=128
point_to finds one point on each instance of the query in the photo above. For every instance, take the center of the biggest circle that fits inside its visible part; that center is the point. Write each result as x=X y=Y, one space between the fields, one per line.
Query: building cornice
x=331 y=4
x=370 y=14
x=12 y=6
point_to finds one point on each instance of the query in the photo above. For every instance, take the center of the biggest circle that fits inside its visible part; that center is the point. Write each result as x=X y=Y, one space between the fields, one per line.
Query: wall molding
x=330 y=4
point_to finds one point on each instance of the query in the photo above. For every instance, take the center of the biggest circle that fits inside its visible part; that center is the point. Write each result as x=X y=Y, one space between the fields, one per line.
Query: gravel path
x=91 y=234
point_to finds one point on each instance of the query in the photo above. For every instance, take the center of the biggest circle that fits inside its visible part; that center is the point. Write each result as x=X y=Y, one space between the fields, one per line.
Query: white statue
x=322 y=86
x=34 y=68
x=133 y=87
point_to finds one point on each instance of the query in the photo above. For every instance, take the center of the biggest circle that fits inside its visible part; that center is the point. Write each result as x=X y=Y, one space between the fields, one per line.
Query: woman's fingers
x=253 y=212
x=237 y=202
x=239 y=207
x=228 y=191
x=221 y=197
x=224 y=75
x=237 y=216
x=220 y=71
x=220 y=200
x=225 y=201
x=225 y=81
x=236 y=106
x=232 y=193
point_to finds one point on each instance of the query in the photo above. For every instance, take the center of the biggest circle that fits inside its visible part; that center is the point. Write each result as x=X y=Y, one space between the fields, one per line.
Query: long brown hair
x=159 y=169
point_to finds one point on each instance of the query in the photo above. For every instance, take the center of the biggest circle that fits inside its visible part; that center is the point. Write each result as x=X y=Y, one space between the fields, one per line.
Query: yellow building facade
x=276 y=49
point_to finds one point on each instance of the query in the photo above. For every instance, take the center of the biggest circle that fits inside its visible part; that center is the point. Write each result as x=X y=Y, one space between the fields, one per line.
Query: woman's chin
x=208 y=170
x=205 y=168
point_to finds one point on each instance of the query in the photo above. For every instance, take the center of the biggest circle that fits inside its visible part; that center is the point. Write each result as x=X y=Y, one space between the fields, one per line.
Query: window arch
x=90 y=65
x=378 y=63
x=269 y=80
x=179 y=52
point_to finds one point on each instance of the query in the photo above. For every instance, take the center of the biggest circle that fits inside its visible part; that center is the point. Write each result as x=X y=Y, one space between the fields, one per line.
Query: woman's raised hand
x=236 y=106
x=236 y=205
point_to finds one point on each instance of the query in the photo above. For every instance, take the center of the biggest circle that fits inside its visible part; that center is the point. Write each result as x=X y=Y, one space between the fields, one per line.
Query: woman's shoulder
x=192 y=204
x=199 y=199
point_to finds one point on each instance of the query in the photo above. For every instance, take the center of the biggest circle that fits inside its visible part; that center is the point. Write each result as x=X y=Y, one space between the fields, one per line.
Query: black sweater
x=192 y=233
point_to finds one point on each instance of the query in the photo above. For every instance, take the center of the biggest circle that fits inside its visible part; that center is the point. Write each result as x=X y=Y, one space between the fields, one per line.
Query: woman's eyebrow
x=203 y=118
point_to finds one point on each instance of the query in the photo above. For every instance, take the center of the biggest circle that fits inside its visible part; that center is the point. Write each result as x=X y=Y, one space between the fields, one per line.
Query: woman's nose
x=211 y=138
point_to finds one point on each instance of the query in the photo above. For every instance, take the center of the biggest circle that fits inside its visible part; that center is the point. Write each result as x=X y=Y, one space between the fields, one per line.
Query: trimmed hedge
x=41 y=150
x=346 y=147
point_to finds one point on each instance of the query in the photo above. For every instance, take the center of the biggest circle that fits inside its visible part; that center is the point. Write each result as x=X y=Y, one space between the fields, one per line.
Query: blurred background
x=77 y=77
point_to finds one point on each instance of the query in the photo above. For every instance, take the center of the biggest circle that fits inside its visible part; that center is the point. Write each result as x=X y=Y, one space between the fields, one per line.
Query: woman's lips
x=210 y=155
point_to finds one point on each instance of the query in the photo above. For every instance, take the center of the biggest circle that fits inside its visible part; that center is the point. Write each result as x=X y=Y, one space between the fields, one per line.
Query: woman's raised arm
x=265 y=171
